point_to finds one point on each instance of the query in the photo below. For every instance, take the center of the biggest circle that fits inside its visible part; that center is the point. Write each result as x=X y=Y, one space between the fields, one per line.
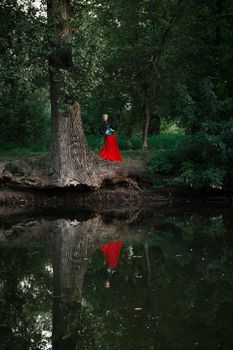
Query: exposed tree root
x=39 y=173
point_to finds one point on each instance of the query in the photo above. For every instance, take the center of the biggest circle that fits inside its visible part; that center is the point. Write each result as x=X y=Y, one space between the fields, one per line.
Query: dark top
x=105 y=126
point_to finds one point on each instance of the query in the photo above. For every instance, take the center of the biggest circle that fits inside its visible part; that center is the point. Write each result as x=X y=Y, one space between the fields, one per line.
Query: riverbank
x=121 y=197
x=129 y=186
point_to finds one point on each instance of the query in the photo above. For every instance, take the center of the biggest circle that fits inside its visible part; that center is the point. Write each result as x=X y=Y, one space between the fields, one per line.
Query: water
x=172 y=289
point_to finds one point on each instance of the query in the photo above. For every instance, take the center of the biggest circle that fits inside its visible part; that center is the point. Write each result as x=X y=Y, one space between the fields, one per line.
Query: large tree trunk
x=72 y=160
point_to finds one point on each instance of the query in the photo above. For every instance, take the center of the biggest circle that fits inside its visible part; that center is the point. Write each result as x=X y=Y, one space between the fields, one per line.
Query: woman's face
x=105 y=118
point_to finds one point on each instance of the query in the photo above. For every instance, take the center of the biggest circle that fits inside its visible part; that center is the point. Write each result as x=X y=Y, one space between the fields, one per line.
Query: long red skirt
x=110 y=150
x=111 y=252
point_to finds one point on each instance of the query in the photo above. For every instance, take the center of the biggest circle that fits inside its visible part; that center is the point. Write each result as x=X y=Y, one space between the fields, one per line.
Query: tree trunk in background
x=129 y=132
x=154 y=128
x=146 y=127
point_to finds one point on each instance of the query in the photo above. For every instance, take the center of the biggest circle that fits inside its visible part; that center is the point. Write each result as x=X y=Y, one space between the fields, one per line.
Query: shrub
x=203 y=159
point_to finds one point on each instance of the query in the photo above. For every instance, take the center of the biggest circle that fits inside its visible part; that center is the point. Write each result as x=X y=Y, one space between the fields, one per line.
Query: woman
x=110 y=150
x=111 y=252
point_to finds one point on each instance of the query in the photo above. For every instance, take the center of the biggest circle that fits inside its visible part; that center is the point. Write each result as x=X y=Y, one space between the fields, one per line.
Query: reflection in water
x=111 y=252
x=173 y=291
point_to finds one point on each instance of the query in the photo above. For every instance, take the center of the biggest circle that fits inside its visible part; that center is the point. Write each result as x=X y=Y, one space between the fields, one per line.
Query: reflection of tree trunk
x=73 y=244
x=76 y=250
x=146 y=249
x=148 y=281
x=58 y=321
x=71 y=251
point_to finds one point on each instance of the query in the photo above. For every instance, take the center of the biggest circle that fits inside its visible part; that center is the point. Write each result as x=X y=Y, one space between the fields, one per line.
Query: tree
x=69 y=162
x=71 y=157
x=137 y=35
x=24 y=113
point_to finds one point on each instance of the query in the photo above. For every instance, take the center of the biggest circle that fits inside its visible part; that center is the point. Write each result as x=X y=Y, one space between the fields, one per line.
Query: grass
x=19 y=153
x=10 y=150
x=130 y=147
x=155 y=143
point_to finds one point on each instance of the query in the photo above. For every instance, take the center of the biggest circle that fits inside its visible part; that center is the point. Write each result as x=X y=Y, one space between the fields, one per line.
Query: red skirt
x=111 y=252
x=110 y=150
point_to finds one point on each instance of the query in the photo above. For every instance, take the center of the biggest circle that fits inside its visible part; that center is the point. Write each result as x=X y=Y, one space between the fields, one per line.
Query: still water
x=171 y=285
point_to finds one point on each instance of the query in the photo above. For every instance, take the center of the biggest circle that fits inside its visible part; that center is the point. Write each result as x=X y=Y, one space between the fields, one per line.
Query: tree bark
x=71 y=157
x=74 y=164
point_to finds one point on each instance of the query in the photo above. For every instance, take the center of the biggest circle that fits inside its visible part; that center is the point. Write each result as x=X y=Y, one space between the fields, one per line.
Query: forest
x=162 y=70
x=116 y=174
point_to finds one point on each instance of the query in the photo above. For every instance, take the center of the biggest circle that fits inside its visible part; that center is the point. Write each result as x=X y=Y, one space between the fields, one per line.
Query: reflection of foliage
x=195 y=279
x=25 y=292
x=106 y=316
x=186 y=299
x=172 y=291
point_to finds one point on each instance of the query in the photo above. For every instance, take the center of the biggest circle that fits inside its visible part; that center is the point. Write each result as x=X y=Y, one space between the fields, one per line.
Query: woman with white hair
x=110 y=149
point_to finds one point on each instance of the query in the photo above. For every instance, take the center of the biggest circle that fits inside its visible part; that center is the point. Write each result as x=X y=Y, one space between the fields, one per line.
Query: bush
x=203 y=159
x=24 y=119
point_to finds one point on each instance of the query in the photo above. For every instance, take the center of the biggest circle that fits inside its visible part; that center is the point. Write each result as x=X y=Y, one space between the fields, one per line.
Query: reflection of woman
x=110 y=150
x=111 y=252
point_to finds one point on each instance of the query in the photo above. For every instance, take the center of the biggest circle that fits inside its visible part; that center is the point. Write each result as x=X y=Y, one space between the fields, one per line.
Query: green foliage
x=28 y=119
x=24 y=111
x=183 y=286
x=203 y=158
x=189 y=90
x=199 y=160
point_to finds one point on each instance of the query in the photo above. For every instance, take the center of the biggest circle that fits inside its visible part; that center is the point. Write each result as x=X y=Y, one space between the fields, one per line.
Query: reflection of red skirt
x=111 y=252
x=110 y=150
